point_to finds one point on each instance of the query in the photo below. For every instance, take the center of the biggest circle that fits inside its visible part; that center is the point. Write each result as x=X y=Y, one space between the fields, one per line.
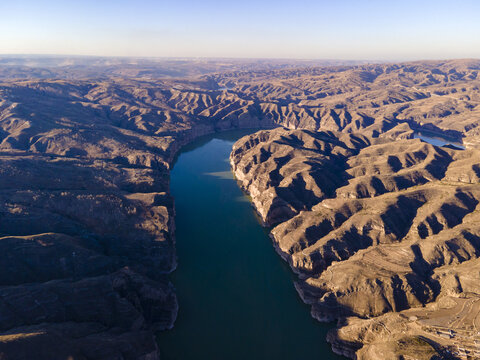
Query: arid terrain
x=382 y=228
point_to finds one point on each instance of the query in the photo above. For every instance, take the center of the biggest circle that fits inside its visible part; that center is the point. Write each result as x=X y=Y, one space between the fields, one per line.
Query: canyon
x=380 y=227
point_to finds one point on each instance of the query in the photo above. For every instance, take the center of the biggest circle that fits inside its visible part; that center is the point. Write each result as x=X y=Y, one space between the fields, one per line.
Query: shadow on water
x=236 y=295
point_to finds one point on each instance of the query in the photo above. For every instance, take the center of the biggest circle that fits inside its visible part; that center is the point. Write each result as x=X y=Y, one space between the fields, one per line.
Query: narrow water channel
x=236 y=295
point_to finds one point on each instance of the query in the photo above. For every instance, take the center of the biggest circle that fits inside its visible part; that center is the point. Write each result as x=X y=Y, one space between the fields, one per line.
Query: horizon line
x=150 y=57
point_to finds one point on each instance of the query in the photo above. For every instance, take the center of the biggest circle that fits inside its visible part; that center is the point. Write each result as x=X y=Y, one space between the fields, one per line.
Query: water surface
x=437 y=140
x=236 y=295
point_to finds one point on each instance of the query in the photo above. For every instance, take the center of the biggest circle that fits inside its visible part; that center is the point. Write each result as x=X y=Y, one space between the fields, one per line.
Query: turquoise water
x=236 y=295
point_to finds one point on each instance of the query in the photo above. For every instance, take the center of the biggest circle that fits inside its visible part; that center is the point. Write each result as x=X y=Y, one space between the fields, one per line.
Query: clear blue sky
x=334 y=29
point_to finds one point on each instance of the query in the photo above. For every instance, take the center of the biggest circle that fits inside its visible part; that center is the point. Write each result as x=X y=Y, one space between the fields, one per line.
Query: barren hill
x=372 y=227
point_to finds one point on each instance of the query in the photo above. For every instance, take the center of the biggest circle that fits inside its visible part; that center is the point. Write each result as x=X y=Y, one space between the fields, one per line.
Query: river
x=236 y=295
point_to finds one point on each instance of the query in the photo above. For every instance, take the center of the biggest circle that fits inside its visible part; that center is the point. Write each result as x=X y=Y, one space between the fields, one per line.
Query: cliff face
x=373 y=228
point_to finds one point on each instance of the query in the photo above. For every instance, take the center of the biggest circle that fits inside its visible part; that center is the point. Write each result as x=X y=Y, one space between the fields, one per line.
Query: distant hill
x=81 y=67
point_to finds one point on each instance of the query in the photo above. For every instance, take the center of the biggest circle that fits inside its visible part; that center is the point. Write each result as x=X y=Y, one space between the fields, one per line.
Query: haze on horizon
x=304 y=29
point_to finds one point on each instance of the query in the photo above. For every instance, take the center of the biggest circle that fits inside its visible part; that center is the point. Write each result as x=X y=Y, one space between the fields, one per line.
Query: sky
x=303 y=29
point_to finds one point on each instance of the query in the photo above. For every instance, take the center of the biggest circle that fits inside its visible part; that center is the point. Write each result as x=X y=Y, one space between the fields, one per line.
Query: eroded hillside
x=374 y=228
